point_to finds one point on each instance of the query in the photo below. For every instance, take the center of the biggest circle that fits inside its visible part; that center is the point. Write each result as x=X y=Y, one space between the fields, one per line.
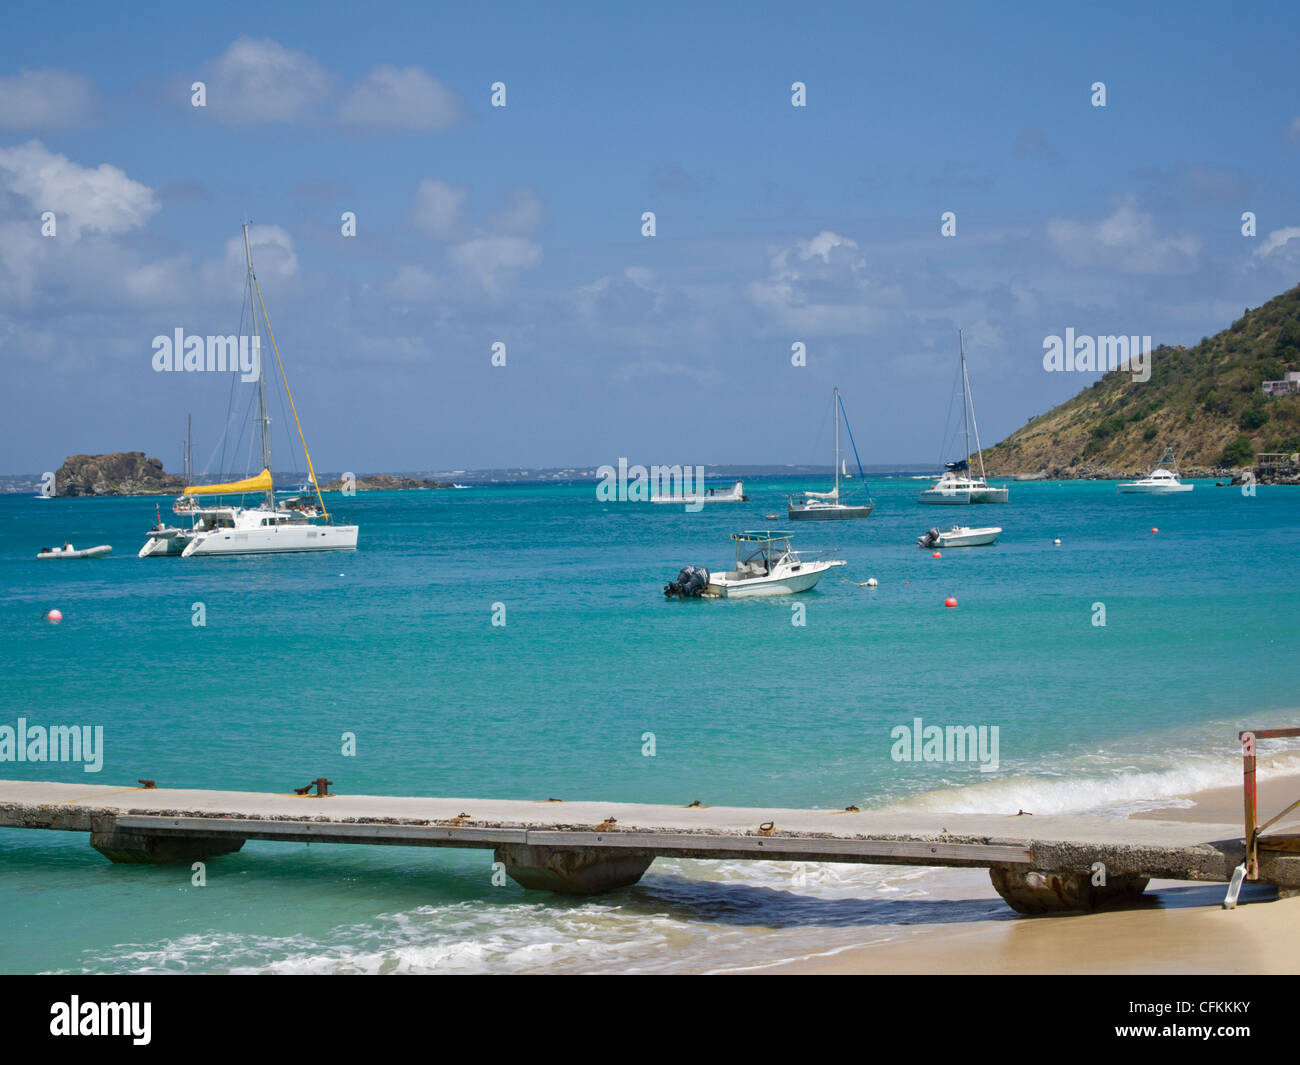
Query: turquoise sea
x=395 y=643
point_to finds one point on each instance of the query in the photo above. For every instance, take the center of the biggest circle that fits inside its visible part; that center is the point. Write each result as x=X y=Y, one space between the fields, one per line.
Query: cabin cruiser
x=765 y=565
x=1163 y=480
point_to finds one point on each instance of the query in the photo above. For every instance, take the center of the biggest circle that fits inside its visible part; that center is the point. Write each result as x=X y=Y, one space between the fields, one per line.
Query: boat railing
x=1254 y=831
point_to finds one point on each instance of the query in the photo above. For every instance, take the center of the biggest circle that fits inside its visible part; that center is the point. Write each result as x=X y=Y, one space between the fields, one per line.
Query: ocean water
x=395 y=643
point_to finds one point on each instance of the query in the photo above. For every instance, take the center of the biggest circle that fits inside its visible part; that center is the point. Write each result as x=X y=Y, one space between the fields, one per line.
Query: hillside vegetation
x=1203 y=401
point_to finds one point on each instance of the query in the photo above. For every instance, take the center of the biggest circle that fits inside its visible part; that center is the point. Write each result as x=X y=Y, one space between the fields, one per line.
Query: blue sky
x=522 y=224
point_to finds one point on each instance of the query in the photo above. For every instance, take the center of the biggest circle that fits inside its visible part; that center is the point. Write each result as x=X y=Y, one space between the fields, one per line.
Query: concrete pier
x=1039 y=864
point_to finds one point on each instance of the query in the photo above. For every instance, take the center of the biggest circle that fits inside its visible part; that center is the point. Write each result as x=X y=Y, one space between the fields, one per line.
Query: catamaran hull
x=1153 y=489
x=964 y=496
x=786 y=584
x=158 y=546
x=944 y=498
x=827 y=513
x=281 y=539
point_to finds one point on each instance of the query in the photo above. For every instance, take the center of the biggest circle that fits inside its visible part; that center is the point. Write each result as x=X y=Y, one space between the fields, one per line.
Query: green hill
x=1203 y=401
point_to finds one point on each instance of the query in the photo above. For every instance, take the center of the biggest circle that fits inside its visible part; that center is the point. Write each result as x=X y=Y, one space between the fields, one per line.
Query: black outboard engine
x=929 y=539
x=690 y=583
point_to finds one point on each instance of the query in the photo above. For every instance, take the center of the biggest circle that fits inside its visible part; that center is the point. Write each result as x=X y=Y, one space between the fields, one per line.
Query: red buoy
x=950 y=602
x=54 y=616
x=1154 y=529
x=936 y=555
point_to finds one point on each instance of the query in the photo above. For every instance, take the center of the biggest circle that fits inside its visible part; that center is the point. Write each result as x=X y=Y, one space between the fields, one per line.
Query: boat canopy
x=260 y=483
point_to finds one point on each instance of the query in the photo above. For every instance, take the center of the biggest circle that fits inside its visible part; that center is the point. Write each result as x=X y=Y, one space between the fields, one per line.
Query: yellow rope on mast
x=271 y=334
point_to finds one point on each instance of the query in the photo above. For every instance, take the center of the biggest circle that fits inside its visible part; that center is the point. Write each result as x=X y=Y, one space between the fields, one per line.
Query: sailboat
x=957 y=486
x=826 y=506
x=269 y=527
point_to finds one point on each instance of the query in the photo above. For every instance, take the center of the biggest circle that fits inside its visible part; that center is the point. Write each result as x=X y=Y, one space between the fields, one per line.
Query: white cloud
x=45 y=99
x=261 y=81
x=817 y=286
x=401 y=98
x=438 y=208
x=823 y=244
x=164 y=281
x=102 y=199
x=1279 y=238
x=413 y=284
x=522 y=215
x=1125 y=241
x=273 y=257
x=494 y=261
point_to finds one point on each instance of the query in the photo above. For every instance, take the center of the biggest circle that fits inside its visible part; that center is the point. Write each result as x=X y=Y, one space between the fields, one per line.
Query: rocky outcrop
x=382 y=482
x=123 y=473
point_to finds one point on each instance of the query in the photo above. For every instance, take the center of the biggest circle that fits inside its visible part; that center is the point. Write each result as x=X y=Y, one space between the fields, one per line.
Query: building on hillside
x=1288 y=386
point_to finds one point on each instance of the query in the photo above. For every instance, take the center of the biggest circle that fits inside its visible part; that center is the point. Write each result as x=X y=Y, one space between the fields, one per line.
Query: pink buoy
x=950 y=602
x=54 y=616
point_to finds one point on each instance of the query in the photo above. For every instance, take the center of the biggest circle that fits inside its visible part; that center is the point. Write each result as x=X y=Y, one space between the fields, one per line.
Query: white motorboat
x=67 y=551
x=765 y=565
x=1161 y=481
x=735 y=493
x=957 y=486
x=827 y=506
x=270 y=527
x=960 y=536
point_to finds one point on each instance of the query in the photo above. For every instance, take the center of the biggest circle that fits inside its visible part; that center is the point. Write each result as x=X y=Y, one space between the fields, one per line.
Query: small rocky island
x=123 y=473
x=384 y=482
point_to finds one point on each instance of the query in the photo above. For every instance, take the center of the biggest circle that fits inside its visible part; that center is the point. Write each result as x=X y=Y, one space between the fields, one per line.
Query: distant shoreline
x=30 y=484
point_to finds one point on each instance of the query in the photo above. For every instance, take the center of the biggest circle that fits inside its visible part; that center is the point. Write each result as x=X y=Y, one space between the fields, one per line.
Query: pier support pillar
x=572 y=871
x=124 y=845
x=1029 y=891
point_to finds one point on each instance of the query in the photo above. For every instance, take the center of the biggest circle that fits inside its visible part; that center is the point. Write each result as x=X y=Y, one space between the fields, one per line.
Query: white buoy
x=1057 y=542
x=872 y=582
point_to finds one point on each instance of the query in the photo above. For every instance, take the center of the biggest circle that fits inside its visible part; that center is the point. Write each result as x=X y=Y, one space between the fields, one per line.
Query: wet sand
x=1178 y=928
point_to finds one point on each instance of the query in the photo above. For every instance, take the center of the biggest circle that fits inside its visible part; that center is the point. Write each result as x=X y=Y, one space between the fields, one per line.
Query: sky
x=522 y=225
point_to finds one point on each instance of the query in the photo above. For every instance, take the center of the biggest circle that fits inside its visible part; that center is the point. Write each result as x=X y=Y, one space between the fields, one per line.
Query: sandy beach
x=1180 y=927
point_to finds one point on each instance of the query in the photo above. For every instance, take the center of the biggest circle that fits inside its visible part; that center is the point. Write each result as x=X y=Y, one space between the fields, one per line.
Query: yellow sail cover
x=260 y=483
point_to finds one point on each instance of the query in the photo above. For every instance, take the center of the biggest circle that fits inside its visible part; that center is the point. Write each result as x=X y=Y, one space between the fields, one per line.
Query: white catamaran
x=957 y=486
x=826 y=506
x=269 y=527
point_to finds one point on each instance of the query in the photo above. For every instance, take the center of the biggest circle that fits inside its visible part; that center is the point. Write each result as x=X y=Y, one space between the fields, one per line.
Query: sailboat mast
x=965 y=395
x=835 y=414
x=970 y=402
x=261 y=376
